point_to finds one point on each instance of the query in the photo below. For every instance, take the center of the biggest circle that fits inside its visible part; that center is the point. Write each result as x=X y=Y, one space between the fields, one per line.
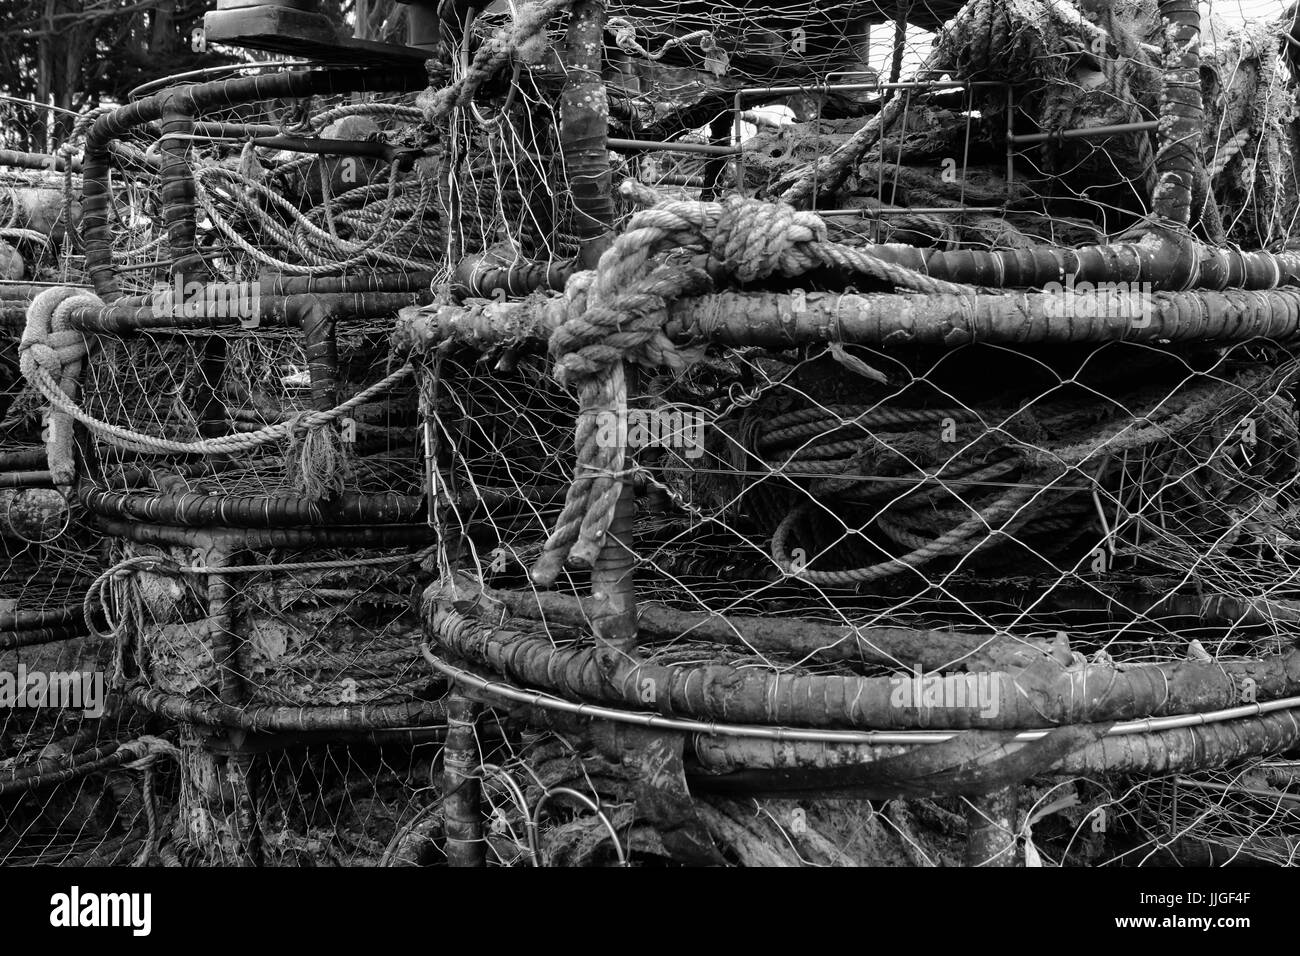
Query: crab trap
x=678 y=434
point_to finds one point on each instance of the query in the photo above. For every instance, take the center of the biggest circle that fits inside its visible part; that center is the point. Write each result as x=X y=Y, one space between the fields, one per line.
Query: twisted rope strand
x=617 y=314
x=50 y=359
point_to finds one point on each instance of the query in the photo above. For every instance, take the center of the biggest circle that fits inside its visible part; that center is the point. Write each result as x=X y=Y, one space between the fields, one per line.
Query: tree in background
x=77 y=54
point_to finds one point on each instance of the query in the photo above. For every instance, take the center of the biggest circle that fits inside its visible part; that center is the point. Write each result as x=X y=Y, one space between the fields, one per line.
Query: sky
x=1231 y=13
x=1237 y=11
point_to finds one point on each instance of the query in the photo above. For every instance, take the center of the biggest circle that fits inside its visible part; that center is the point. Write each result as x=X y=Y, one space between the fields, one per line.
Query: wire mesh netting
x=911 y=428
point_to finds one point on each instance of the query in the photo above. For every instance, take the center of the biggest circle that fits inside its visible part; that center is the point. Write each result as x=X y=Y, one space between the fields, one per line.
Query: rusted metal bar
x=1086 y=132
x=648 y=145
x=340 y=147
x=868 y=213
x=26 y=479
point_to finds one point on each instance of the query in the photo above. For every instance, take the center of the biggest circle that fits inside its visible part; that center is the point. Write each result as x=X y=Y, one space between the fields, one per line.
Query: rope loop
x=50 y=356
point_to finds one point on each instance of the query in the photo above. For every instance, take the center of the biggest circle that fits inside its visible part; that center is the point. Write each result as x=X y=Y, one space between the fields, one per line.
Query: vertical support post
x=900 y=45
x=320 y=348
x=1182 y=111
x=1011 y=145
x=224 y=639
x=217 y=805
x=461 y=789
x=991 y=828
x=613 y=587
x=176 y=175
x=584 y=127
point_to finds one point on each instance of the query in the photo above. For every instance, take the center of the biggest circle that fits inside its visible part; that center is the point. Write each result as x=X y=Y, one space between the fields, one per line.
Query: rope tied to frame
x=524 y=37
x=50 y=355
x=38 y=370
x=619 y=313
x=755 y=239
x=110 y=596
x=613 y=315
x=317 y=460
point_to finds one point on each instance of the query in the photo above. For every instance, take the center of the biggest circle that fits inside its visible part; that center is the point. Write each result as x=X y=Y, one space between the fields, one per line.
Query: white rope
x=149 y=444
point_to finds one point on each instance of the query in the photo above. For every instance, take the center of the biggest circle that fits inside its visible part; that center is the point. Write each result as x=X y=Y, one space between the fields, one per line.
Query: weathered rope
x=624 y=31
x=50 y=356
x=323 y=252
x=50 y=359
x=408 y=114
x=524 y=37
x=227 y=444
x=954 y=541
x=617 y=314
x=1224 y=154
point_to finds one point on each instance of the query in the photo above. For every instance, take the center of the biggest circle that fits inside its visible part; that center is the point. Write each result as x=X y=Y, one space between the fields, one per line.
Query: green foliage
x=77 y=55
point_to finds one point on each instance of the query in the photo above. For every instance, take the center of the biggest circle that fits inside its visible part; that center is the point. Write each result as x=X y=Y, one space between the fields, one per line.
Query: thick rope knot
x=615 y=315
x=43 y=357
x=618 y=312
x=755 y=239
x=50 y=356
x=629 y=327
x=49 y=343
